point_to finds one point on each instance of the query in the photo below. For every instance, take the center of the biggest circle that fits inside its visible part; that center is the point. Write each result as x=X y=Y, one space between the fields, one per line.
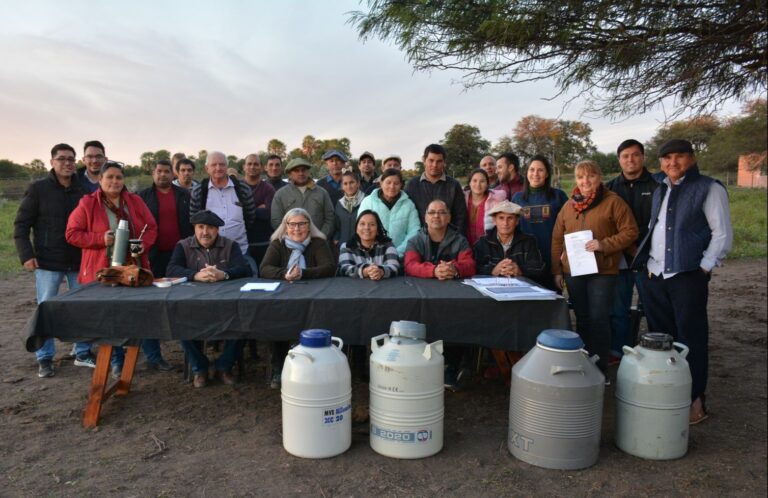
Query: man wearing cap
x=690 y=231
x=389 y=162
x=208 y=257
x=334 y=163
x=275 y=172
x=302 y=192
x=505 y=251
x=635 y=184
x=435 y=184
x=367 y=166
x=508 y=171
x=488 y=164
x=231 y=199
x=263 y=193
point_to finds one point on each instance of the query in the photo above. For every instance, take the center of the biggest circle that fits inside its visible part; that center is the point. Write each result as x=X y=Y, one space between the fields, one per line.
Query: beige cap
x=505 y=207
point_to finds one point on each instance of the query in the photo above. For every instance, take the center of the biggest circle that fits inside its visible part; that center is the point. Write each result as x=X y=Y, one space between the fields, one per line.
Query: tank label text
x=335 y=415
x=417 y=436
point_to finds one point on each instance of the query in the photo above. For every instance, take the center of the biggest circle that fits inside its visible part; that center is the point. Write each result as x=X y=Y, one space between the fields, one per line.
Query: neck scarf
x=297 y=252
x=120 y=212
x=350 y=203
x=582 y=202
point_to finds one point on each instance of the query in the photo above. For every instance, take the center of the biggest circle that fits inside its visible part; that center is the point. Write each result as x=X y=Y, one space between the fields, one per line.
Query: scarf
x=121 y=212
x=351 y=203
x=582 y=202
x=297 y=252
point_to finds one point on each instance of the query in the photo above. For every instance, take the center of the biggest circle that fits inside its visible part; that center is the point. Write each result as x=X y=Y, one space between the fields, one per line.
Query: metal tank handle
x=340 y=344
x=375 y=341
x=293 y=354
x=438 y=345
x=683 y=349
x=630 y=350
x=556 y=369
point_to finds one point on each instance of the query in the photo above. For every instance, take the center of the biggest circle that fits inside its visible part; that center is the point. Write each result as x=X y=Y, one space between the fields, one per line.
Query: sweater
x=314 y=199
x=538 y=218
x=422 y=192
x=320 y=260
x=353 y=259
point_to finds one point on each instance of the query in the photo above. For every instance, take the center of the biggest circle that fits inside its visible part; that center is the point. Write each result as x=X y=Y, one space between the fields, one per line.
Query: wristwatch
x=226 y=276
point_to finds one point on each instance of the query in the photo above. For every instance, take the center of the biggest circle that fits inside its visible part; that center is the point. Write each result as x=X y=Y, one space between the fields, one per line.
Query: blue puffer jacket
x=401 y=222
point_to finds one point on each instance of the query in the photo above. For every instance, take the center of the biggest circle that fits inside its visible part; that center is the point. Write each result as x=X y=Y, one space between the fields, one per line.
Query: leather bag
x=128 y=276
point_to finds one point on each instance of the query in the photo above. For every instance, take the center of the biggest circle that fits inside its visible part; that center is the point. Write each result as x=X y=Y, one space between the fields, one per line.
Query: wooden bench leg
x=129 y=366
x=98 y=387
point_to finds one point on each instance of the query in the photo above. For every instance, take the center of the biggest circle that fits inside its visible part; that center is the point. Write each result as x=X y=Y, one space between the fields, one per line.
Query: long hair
x=283 y=228
x=548 y=190
x=381 y=233
x=479 y=171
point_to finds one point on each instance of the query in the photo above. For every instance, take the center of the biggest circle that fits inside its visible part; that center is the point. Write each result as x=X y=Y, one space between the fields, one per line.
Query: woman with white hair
x=298 y=250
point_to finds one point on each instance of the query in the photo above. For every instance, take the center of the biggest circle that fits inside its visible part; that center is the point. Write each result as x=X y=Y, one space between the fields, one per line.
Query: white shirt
x=224 y=202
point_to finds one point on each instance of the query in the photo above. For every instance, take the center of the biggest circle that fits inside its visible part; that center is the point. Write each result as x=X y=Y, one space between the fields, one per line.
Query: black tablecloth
x=352 y=309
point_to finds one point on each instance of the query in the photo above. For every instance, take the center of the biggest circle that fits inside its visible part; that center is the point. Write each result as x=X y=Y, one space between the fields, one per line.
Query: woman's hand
x=559 y=281
x=109 y=238
x=373 y=272
x=293 y=274
x=593 y=246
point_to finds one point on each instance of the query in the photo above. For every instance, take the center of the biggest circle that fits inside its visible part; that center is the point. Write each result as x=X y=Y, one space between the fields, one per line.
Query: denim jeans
x=199 y=361
x=621 y=334
x=47 y=285
x=592 y=298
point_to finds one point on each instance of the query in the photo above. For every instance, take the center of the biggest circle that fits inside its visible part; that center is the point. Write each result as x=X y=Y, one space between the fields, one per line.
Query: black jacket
x=149 y=196
x=639 y=195
x=422 y=192
x=45 y=209
x=524 y=251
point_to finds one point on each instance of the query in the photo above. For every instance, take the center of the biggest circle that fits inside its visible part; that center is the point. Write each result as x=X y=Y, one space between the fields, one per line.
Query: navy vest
x=687 y=231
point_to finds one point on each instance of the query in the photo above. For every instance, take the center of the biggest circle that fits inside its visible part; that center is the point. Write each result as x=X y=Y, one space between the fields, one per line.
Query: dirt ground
x=226 y=441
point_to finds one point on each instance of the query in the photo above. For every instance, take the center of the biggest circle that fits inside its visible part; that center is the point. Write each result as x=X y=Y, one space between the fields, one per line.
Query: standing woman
x=397 y=212
x=593 y=207
x=480 y=200
x=93 y=223
x=540 y=203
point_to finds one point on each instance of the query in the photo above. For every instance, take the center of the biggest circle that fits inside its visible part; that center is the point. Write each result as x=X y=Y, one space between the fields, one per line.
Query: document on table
x=510 y=289
x=581 y=261
x=260 y=286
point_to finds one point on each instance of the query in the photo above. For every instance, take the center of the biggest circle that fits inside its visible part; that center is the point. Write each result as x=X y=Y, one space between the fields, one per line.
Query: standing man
x=367 y=166
x=635 y=185
x=275 y=172
x=508 y=171
x=690 y=232
x=334 y=163
x=263 y=193
x=230 y=199
x=435 y=184
x=175 y=162
x=488 y=164
x=44 y=210
x=186 y=172
x=94 y=157
x=304 y=193
x=392 y=161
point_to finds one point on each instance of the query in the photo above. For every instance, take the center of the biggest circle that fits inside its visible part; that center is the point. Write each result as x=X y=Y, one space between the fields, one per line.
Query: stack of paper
x=260 y=286
x=510 y=289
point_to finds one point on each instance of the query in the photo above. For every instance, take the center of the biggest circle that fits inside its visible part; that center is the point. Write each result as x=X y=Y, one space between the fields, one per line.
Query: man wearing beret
x=207 y=257
x=334 y=163
x=689 y=232
x=302 y=192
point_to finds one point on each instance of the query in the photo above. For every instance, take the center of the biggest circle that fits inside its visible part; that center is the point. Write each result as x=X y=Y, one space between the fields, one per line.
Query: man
x=94 y=157
x=185 y=169
x=263 y=193
x=304 y=193
x=334 y=163
x=175 y=163
x=635 y=185
x=439 y=251
x=275 y=172
x=44 y=210
x=231 y=200
x=508 y=171
x=488 y=164
x=392 y=161
x=367 y=166
x=435 y=184
x=690 y=231
x=208 y=257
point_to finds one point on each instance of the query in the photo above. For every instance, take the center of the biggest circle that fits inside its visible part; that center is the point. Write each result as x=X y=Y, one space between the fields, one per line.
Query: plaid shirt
x=353 y=259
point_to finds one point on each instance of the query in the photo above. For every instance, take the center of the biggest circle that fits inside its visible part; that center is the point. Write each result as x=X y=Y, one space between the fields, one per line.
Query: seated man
x=206 y=257
x=439 y=251
x=505 y=251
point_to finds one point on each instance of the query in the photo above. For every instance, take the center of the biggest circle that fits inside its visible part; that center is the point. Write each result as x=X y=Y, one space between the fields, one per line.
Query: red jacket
x=454 y=248
x=88 y=223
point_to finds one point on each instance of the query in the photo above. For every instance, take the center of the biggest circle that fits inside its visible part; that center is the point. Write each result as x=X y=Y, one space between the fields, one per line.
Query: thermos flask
x=120 y=248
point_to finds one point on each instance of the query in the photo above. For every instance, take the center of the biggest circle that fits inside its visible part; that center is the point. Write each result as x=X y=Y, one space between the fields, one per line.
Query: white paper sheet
x=260 y=286
x=581 y=261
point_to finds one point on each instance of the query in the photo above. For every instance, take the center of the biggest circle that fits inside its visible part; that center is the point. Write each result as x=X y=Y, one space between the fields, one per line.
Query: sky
x=231 y=75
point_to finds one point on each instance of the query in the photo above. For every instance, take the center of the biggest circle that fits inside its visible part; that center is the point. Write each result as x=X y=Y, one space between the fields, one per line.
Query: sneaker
x=45 y=369
x=117 y=371
x=275 y=381
x=161 y=365
x=86 y=360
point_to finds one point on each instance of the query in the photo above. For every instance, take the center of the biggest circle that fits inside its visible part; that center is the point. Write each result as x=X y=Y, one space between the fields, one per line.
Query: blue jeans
x=47 y=285
x=620 y=315
x=199 y=361
x=592 y=299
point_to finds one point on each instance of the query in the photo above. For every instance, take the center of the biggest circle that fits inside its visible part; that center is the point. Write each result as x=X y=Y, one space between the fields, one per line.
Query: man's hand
x=506 y=268
x=446 y=271
x=31 y=264
x=209 y=274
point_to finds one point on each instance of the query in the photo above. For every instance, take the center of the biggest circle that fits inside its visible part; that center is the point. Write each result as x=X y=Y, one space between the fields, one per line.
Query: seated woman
x=298 y=250
x=505 y=251
x=369 y=253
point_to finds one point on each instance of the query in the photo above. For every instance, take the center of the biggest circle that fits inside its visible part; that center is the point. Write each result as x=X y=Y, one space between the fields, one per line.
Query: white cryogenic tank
x=317 y=397
x=406 y=392
x=653 y=398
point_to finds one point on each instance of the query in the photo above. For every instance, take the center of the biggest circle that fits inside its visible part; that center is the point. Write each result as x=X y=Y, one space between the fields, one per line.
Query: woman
x=346 y=208
x=370 y=253
x=92 y=226
x=540 y=205
x=298 y=250
x=397 y=212
x=593 y=207
x=479 y=201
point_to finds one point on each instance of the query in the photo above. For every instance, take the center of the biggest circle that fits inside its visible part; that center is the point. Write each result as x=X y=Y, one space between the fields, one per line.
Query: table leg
x=98 y=386
x=129 y=366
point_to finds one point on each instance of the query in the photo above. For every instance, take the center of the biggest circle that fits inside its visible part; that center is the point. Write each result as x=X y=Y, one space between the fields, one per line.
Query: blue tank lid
x=565 y=340
x=315 y=338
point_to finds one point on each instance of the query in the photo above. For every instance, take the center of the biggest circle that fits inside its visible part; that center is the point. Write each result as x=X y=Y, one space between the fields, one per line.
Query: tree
x=276 y=147
x=147 y=160
x=505 y=144
x=743 y=135
x=161 y=155
x=698 y=130
x=609 y=163
x=202 y=158
x=625 y=57
x=564 y=142
x=464 y=147
x=309 y=147
x=37 y=164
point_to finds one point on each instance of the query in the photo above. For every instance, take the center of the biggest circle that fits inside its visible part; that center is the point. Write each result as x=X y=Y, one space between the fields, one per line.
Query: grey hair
x=281 y=230
x=215 y=153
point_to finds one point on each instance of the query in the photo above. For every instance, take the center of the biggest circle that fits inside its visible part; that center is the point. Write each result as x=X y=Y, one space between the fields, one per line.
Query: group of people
x=664 y=233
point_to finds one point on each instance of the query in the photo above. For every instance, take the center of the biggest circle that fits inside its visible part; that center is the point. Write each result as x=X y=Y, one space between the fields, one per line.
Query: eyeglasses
x=65 y=159
x=297 y=224
x=437 y=213
x=97 y=157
